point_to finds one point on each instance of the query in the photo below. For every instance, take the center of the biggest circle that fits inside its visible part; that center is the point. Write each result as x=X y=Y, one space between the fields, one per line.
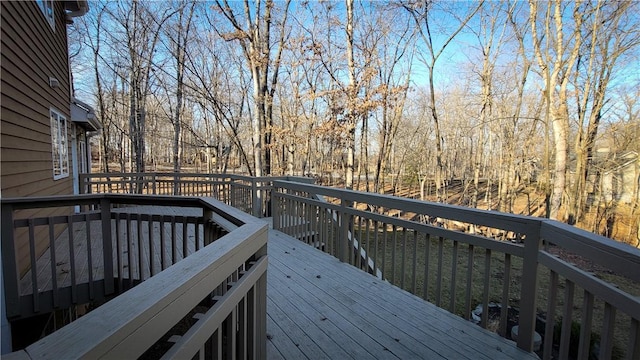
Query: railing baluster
x=130 y=263
x=414 y=272
x=196 y=229
x=52 y=254
x=359 y=240
x=551 y=312
x=140 y=266
x=185 y=238
x=87 y=224
x=565 y=336
x=454 y=272
x=633 y=348
x=107 y=245
x=439 y=276
x=72 y=260
x=368 y=242
x=404 y=257
x=174 y=249
x=585 y=327
x=468 y=294
x=119 y=253
x=163 y=255
x=607 y=335
x=151 y=252
x=485 y=294
x=10 y=271
x=384 y=252
x=375 y=247
x=427 y=254
x=34 y=267
x=506 y=282
x=394 y=245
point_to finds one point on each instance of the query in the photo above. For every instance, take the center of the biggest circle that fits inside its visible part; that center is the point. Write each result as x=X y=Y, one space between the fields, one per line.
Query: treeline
x=491 y=92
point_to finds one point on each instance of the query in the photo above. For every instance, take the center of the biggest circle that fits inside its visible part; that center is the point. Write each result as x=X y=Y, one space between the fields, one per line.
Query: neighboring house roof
x=620 y=160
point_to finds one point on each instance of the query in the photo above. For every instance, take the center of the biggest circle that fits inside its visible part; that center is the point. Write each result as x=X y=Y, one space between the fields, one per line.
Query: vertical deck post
x=275 y=209
x=9 y=265
x=529 y=289
x=207 y=215
x=255 y=199
x=107 y=245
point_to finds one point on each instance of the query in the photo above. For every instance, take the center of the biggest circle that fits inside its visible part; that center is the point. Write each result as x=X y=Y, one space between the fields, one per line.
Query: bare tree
x=255 y=41
x=610 y=36
x=556 y=56
x=178 y=34
x=422 y=14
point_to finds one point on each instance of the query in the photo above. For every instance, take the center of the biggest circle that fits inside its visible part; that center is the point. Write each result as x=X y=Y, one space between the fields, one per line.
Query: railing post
x=107 y=245
x=207 y=215
x=11 y=290
x=275 y=209
x=256 y=204
x=153 y=184
x=529 y=288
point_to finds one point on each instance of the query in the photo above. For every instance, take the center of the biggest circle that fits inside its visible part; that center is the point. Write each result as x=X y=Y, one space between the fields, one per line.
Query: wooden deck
x=321 y=308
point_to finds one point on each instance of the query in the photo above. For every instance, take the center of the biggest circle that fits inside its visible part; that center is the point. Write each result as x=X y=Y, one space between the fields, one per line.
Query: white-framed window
x=47 y=7
x=59 y=145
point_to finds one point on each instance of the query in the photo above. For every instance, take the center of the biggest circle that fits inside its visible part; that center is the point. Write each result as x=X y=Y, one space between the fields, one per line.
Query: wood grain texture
x=340 y=307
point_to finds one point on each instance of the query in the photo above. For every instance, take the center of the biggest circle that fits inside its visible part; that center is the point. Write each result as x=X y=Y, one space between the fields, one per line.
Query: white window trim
x=49 y=11
x=59 y=142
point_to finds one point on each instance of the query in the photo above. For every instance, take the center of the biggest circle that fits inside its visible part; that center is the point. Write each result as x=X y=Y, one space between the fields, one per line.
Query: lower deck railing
x=218 y=293
x=207 y=264
x=453 y=256
x=249 y=194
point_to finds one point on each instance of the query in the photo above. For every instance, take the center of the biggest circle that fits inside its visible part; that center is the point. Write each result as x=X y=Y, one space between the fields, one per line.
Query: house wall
x=622 y=183
x=32 y=51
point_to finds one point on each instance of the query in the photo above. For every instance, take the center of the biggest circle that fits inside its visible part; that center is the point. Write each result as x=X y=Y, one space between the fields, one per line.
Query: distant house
x=44 y=130
x=617 y=177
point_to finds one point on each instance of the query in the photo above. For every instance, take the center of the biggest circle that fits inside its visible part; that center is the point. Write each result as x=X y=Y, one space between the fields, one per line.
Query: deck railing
x=453 y=256
x=217 y=276
x=458 y=258
x=250 y=194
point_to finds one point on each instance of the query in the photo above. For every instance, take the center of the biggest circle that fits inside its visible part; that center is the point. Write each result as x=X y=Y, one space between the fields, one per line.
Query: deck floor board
x=406 y=325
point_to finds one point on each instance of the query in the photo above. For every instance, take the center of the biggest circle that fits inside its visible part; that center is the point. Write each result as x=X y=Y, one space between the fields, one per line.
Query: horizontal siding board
x=17 y=64
x=19 y=115
x=13 y=186
x=27 y=94
x=49 y=60
x=21 y=132
x=17 y=168
x=25 y=143
x=18 y=155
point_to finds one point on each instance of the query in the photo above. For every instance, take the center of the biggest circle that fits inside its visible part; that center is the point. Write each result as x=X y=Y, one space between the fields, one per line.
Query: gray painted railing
x=250 y=194
x=226 y=276
x=121 y=237
x=440 y=263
